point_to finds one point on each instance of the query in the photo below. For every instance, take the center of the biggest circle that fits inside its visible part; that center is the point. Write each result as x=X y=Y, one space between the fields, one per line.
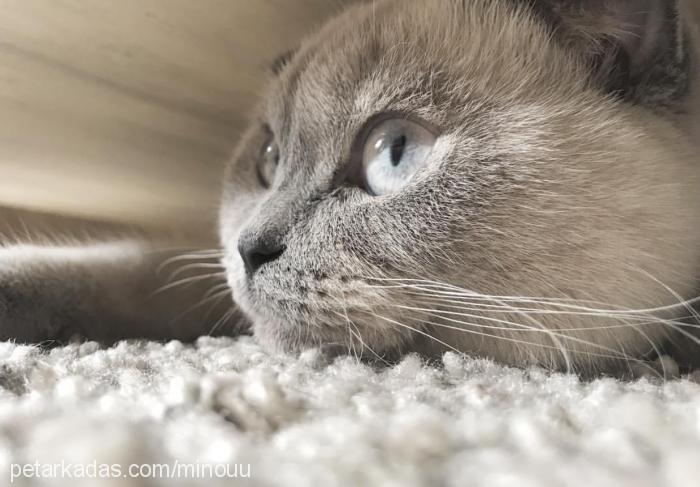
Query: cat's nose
x=257 y=250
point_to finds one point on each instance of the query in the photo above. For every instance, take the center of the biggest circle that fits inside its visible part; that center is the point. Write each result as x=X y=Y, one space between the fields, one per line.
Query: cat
x=510 y=179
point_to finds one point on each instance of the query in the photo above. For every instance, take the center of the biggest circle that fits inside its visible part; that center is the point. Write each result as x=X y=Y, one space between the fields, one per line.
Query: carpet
x=225 y=412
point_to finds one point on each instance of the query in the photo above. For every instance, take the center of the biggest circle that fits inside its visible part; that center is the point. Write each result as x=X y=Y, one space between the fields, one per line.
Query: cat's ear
x=636 y=49
x=281 y=62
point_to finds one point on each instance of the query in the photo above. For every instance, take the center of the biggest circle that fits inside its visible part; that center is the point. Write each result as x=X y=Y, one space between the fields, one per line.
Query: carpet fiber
x=183 y=412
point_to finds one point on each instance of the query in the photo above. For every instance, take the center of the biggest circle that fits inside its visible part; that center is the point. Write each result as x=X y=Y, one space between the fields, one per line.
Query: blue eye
x=394 y=153
x=268 y=162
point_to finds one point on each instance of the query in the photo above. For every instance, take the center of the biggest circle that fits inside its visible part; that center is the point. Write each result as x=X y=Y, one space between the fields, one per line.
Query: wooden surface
x=126 y=110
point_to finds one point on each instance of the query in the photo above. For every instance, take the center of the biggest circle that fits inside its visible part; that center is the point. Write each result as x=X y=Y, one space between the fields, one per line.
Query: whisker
x=558 y=334
x=683 y=302
x=389 y=320
x=226 y=316
x=352 y=343
x=188 y=280
x=614 y=354
x=560 y=302
x=203 y=255
x=217 y=288
x=487 y=308
x=190 y=267
x=552 y=336
x=359 y=335
x=215 y=303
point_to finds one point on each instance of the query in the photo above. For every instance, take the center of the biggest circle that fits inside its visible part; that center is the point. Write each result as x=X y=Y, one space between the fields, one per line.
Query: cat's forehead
x=386 y=51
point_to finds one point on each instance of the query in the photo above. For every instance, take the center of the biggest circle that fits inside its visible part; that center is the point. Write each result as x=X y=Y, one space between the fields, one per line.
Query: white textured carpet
x=303 y=421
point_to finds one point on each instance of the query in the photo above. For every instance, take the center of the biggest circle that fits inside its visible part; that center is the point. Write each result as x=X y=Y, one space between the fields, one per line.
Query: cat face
x=446 y=174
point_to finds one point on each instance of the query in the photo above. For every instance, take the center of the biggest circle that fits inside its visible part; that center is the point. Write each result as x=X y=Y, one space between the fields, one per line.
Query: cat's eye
x=394 y=152
x=268 y=162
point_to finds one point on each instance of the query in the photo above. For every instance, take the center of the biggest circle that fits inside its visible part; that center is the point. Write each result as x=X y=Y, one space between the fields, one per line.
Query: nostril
x=257 y=259
x=257 y=252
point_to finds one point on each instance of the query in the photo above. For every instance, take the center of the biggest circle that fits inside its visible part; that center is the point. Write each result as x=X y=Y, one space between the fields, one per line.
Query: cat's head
x=416 y=165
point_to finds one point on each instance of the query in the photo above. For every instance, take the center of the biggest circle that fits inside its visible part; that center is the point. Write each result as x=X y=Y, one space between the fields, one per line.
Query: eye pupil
x=398 y=146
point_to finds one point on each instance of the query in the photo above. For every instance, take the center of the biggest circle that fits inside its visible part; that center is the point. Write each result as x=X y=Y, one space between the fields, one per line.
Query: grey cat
x=511 y=179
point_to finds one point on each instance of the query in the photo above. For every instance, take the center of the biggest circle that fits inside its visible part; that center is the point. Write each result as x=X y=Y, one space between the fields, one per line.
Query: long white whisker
x=183 y=269
x=217 y=288
x=552 y=335
x=359 y=335
x=226 y=316
x=438 y=314
x=203 y=255
x=202 y=302
x=559 y=302
x=188 y=280
x=614 y=353
x=420 y=332
x=506 y=309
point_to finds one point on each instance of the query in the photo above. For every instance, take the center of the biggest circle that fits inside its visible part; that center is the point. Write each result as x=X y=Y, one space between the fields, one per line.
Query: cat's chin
x=288 y=336
x=278 y=337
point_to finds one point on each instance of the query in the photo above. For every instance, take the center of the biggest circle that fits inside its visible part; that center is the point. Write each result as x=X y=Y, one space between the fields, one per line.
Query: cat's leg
x=109 y=291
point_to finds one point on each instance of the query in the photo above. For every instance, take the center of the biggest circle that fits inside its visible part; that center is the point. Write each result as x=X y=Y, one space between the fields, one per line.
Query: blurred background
x=126 y=111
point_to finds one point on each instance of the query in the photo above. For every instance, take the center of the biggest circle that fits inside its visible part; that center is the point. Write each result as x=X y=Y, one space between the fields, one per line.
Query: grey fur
x=102 y=291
